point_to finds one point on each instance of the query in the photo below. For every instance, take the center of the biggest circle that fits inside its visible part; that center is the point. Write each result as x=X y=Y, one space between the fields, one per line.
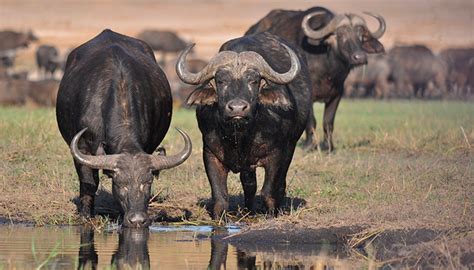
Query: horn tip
x=79 y=134
x=75 y=140
x=182 y=132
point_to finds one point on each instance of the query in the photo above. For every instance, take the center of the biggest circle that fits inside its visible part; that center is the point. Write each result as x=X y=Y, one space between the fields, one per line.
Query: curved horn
x=207 y=72
x=107 y=162
x=379 y=33
x=326 y=30
x=167 y=162
x=267 y=71
x=357 y=20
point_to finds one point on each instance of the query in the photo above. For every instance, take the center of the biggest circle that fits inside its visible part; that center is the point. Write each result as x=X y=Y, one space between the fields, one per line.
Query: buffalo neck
x=325 y=62
x=235 y=134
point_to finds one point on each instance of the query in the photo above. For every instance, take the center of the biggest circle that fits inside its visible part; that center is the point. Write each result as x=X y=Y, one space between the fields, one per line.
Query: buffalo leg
x=310 y=129
x=328 y=123
x=249 y=184
x=217 y=175
x=89 y=182
x=274 y=186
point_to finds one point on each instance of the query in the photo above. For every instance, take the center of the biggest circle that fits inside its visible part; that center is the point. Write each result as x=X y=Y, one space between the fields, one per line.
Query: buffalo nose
x=237 y=107
x=359 y=58
x=136 y=219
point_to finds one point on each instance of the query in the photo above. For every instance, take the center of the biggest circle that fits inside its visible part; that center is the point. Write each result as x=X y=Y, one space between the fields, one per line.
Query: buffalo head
x=347 y=34
x=132 y=176
x=237 y=83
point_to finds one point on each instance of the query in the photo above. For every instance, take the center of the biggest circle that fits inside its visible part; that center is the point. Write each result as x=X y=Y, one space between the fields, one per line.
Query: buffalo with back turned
x=253 y=102
x=333 y=44
x=114 y=108
x=417 y=72
x=460 y=74
x=48 y=60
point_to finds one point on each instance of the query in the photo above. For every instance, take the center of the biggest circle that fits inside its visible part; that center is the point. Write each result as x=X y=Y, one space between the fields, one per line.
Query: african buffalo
x=163 y=41
x=460 y=75
x=115 y=97
x=12 y=40
x=333 y=44
x=413 y=68
x=253 y=102
x=47 y=59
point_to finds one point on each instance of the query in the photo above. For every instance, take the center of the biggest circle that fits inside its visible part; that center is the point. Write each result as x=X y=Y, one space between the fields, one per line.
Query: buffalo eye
x=361 y=33
x=253 y=82
x=220 y=83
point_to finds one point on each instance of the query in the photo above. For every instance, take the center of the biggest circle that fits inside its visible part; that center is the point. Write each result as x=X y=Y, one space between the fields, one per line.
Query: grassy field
x=398 y=164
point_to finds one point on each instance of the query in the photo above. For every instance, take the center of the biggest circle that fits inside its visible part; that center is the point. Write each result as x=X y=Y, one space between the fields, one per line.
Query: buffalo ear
x=274 y=98
x=203 y=95
x=372 y=45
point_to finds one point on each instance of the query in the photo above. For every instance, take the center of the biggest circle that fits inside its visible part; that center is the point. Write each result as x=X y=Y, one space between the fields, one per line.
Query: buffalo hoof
x=271 y=213
x=324 y=146
x=309 y=146
x=250 y=210
x=220 y=209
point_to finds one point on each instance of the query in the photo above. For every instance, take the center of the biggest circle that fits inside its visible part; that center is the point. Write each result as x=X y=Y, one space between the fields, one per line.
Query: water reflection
x=157 y=248
x=262 y=255
x=132 y=251
x=218 y=250
x=88 y=257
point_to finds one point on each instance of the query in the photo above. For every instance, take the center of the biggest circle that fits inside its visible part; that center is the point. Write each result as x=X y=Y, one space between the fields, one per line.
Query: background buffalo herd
x=404 y=71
